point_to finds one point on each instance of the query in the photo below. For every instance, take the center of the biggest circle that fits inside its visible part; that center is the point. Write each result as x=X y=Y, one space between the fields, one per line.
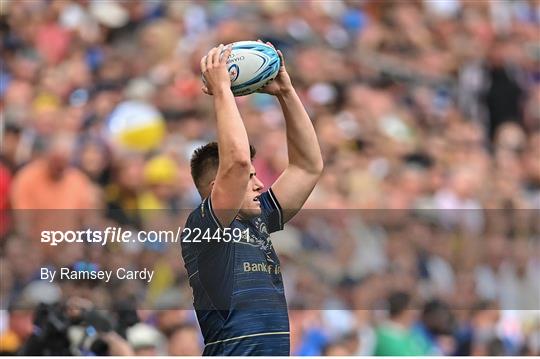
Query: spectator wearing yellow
x=160 y=176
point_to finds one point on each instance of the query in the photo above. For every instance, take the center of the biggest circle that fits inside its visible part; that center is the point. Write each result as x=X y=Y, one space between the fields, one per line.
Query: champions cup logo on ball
x=233 y=72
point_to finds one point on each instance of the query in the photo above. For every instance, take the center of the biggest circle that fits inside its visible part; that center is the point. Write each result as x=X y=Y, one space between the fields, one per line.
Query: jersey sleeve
x=271 y=211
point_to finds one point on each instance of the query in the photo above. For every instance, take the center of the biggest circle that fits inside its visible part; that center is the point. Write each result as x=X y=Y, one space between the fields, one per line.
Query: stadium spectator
x=18 y=329
x=184 y=341
x=397 y=336
x=50 y=182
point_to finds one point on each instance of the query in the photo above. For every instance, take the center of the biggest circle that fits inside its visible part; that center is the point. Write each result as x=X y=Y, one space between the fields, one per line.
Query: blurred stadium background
x=428 y=115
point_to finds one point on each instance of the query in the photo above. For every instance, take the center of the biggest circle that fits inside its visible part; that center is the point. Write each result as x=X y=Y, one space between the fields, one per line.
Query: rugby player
x=237 y=285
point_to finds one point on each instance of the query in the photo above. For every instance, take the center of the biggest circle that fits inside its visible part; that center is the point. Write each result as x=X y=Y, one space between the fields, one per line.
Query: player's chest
x=255 y=247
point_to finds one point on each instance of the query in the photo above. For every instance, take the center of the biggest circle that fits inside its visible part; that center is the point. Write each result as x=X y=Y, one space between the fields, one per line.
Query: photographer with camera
x=75 y=328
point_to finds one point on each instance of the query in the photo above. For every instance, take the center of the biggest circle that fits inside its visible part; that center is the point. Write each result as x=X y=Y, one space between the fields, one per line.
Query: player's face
x=251 y=207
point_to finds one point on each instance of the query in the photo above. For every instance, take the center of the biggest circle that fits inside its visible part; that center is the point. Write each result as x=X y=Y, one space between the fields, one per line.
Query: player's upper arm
x=293 y=188
x=229 y=189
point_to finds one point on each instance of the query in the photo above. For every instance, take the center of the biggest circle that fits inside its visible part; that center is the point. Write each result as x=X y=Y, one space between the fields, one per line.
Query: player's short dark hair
x=205 y=159
x=398 y=302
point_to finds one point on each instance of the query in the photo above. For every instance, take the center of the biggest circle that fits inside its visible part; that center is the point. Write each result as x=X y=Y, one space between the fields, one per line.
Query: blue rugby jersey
x=237 y=286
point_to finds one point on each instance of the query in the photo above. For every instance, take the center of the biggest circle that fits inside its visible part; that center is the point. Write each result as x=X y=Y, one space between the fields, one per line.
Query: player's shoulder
x=268 y=200
x=197 y=213
x=203 y=215
x=271 y=210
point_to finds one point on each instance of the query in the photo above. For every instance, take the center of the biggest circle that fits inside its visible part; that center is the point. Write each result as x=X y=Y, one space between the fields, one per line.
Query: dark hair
x=398 y=303
x=206 y=159
x=438 y=318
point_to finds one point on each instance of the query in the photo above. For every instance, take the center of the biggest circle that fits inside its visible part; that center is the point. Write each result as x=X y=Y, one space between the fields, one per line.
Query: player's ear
x=208 y=189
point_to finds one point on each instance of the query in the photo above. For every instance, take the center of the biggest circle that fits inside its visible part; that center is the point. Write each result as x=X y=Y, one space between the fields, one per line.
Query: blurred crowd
x=422 y=236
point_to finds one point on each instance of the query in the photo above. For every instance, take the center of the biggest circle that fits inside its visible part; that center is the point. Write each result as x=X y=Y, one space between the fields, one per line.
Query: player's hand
x=214 y=70
x=282 y=83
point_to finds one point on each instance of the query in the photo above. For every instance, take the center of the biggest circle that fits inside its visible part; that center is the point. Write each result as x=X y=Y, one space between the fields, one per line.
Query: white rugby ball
x=251 y=66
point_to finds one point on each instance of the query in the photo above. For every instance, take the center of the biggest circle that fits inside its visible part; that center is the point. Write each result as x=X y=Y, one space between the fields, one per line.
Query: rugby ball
x=251 y=66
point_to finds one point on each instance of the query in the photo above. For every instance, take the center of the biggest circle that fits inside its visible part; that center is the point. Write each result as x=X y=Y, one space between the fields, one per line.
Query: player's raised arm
x=229 y=187
x=305 y=166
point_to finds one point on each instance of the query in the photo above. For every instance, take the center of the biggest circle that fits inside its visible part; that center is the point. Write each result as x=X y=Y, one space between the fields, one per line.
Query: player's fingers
x=280 y=54
x=206 y=90
x=203 y=64
x=226 y=54
x=216 y=54
x=209 y=58
x=270 y=44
